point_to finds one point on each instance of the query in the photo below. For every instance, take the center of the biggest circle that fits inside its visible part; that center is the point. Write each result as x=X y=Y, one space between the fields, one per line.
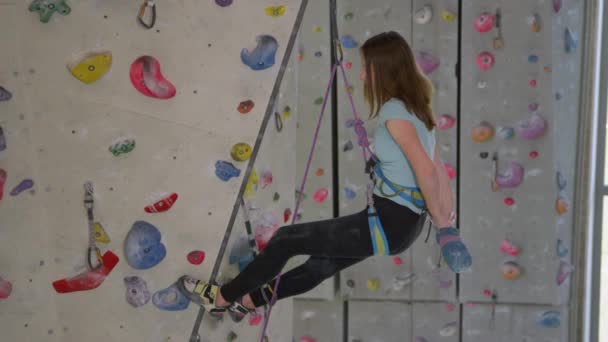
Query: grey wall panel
x=435 y=322
x=501 y=96
x=379 y=321
x=510 y=323
x=319 y=320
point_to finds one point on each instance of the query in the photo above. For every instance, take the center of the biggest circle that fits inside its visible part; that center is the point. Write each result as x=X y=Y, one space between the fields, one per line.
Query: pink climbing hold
x=485 y=61
x=533 y=154
x=449 y=307
x=263 y=235
x=5 y=288
x=348 y=65
x=2 y=181
x=320 y=195
x=532 y=83
x=512 y=177
x=255 y=319
x=147 y=78
x=509 y=248
x=485 y=22
x=307 y=338
x=397 y=261
x=509 y=201
x=450 y=170
x=427 y=61
x=487 y=293
x=266 y=179
x=196 y=257
x=446 y=121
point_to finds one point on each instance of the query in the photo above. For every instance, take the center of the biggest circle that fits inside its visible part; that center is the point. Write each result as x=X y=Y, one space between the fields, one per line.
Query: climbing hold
x=427 y=61
x=485 y=61
x=373 y=284
x=448 y=16
x=509 y=201
x=534 y=22
x=512 y=177
x=560 y=180
x=547 y=69
x=162 y=205
x=424 y=15
x=570 y=43
x=549 y=319
x=449 y=329
x=286 y=112
x=318 y=54
x=262 y=57
x=2 y=181
x=5 y=95
x=532 y=83
x=485 y=22
x=561 y=249
x=509 y=248
x=483 y=155
x=397 y=261
x=5 y=288
x=348 y=146
x=350 y=283
x=307 y=338
x=263 y=235
x=122 y=146
x=482 y=132
x=506 y=133
x=320 y=172
x=245 y=107
x=46 y=8
x=143 y=246
x=100 y=234
x=348 y=42
x=137 y=291
x=225 y=170
x=266 y=178
x=533 y=128
x=482 y=84
x=24 y=185
x=557 y=5
x=450 y=170
x=91 y=66
x=420 y=339
x=148 y=79
x=564 y=271
x=318 y=29
x=446 y=121
x=320 y=195
x=449 y=307
x=196 y=257
x=399 y=282
x=275 y=11
x=90 y=279
x=255 y=319
x=232 y=336
x=223 y=3
x=349 y=16
x=533 y=107
x=241 y=253
x=349 y=193
x=276 y=197
x=348 y=65
x=561 y=205
x=170 y=299
x=286 y=214
x=240 y=151
x=533 y=154
x=532 y=58
x=252 y=183
x=487 y=292
x=319 y=101
x=511 y=270
x=558 y=96
x=298 y=194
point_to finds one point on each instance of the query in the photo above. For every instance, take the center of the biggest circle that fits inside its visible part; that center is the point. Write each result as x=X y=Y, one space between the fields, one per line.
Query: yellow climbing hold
x=448 y=16
x=318 y=29
x=100 y=234
x=91 y=66
x=252 y=183
x=286 y=112
x=275 y=11
x=240 y=151
x=373 y=284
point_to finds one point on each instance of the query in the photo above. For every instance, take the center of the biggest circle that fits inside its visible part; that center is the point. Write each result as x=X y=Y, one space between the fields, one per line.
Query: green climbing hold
x=232 y=336
x=349 y=16
x=276 y=196
x=319 y=101
x=46 y=8
x=122 y=147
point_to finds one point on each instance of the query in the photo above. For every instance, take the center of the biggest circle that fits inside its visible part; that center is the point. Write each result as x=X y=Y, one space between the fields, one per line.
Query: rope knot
x=357 y=124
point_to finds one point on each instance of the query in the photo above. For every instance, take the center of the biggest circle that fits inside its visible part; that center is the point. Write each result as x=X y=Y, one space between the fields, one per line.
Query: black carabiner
x=142 y=13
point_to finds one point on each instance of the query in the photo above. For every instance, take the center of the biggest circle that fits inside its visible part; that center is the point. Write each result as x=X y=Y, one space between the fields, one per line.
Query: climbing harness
x=93 y=251
x=142 y=13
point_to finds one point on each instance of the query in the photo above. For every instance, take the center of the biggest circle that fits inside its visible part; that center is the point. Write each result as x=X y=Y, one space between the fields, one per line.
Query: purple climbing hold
x=427 y=62
x=533 y=107
x=223 y=3
x=557 y=5
x=21 y=187
x=2 y=140
x=137 y=291
x=5 y=95
x=533 y=128
x=563 y=272
x=512 y=177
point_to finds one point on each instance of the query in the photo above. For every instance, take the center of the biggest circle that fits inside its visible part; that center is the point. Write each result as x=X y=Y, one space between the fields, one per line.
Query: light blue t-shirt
x=393 y=161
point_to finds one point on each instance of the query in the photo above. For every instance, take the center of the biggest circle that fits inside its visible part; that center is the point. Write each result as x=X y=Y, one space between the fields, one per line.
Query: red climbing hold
x=255 y=319
x=286 y=215
x=90 y=279
x=487 y=293
x=5 y=288
x=196 y=257
x=162 y=205
x=533 y=83
x=397 y=261
x=533 y=154
x=509 y=201
x=307 y=338
x=348 y=65
x=2 y=181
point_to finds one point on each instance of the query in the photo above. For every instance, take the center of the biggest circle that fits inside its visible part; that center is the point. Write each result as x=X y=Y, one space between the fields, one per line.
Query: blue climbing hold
x=533 y=58
x=349 y=193
x=562 y=250
x=170 y=299
x=241 y=253
x=454 y=252
x=570 y=42
x=226 y=170
x=550 y=319
x=5 y=95
x=262 y=57
x=143 y=247
x=348 y=42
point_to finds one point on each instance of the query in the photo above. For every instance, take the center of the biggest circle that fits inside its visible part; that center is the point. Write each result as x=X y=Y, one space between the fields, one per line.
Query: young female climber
x=413 y=180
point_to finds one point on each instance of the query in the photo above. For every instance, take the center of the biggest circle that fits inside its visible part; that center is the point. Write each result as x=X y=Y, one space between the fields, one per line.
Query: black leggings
x=333 y=245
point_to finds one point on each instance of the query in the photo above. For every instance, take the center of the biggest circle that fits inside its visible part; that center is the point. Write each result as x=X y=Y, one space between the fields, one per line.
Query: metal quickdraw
x=93 y=251
x=142 y=14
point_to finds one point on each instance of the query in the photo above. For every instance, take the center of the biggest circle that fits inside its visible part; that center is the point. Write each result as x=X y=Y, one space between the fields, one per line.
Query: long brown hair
x=392 y=72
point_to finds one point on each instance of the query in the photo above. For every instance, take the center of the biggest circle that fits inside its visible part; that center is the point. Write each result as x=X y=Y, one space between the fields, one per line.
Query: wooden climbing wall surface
x=59 y=130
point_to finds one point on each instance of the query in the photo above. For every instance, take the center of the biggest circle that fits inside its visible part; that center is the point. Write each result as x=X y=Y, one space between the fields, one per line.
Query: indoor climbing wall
x=520 y=82
x=431 y=30
x=154 y=129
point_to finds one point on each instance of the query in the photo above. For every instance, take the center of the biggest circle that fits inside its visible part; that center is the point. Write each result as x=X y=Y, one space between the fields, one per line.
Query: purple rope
x=299 y=200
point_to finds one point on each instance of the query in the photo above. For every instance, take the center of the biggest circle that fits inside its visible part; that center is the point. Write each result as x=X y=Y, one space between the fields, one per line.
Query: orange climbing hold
x=245 y=107
x=561 y=206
